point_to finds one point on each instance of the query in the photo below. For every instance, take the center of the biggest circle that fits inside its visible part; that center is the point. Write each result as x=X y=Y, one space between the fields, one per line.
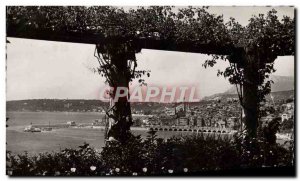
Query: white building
x=71 y=123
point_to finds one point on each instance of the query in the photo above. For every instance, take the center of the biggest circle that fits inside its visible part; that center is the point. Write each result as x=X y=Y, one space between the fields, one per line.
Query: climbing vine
x=262 y=40
x=118 y=33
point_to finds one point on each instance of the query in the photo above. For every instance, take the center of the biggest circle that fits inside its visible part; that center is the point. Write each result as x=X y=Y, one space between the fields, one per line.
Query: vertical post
x=250 y=96
x=241 y=120
x=119 y=124
x=114 y=62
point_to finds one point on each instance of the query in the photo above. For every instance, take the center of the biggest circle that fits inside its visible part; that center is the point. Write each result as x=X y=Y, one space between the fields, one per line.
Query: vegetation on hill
x=280 y=95
x=55 y=105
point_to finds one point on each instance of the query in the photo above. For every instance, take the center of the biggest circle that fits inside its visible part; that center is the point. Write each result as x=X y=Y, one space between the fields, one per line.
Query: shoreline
x=101 y=113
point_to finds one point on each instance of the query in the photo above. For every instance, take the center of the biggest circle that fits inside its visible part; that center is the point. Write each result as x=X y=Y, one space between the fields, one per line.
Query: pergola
x=119 y=35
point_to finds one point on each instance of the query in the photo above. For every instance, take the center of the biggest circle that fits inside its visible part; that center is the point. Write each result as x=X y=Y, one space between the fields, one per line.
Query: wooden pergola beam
x=157 y=29
x=153 y=43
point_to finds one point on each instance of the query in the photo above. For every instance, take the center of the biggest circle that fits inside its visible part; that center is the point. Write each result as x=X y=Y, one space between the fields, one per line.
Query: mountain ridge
x=281 y=84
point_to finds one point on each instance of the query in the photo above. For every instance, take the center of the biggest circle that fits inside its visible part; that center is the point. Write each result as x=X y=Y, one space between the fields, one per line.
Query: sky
x=43 y=69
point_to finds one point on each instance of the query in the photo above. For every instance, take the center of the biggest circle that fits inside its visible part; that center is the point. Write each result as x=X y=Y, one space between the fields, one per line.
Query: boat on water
x=31 y=128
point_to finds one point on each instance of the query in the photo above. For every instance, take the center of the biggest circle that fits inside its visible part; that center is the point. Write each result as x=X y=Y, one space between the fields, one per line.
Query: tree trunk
x=250 y=96
x=121 y=118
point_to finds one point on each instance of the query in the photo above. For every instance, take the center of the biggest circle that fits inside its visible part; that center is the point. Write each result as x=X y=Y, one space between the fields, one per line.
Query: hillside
x=55 y=105
x=73 y=105
x=281 y=83
x=283 y=87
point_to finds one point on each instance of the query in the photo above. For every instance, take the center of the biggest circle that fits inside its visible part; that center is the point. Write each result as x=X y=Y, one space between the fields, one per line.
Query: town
x=217 y=113
x=220 y=114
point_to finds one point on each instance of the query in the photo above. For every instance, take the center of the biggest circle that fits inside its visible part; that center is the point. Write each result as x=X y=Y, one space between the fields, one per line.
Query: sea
x=18 y=141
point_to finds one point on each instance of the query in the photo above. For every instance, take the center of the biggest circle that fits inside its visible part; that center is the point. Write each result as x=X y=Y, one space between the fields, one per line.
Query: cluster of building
x=214 y=113
x=217 y=113
x=282 y=110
